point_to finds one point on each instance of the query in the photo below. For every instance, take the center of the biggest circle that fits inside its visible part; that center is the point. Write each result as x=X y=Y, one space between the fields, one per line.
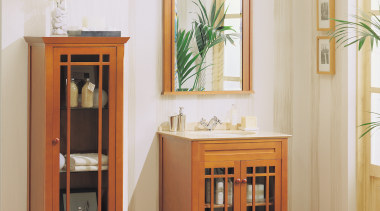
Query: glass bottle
x=87 y=95
x=73 y=94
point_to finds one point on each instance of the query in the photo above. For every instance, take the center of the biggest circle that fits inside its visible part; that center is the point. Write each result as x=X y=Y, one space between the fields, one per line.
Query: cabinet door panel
x=220 y=189
x=84 y=121
x=261 y=186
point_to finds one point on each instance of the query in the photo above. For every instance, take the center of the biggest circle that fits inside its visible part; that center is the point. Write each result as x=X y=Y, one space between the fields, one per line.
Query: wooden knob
x=244 y=181
x=238 y=181
x=56 y=141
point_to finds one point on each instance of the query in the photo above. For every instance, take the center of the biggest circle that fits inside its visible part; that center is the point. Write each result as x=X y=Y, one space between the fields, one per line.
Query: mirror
x=207 y=46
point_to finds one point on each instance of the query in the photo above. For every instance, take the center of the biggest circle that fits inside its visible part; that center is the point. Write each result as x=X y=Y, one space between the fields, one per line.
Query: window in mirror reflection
x=208 y=45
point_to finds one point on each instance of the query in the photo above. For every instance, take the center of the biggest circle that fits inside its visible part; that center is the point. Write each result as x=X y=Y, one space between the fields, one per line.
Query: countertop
x=223 y=135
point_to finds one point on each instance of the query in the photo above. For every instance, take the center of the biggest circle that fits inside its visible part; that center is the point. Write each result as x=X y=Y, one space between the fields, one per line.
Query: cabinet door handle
x=238 y=181
x=244 y=181
x=56 y=141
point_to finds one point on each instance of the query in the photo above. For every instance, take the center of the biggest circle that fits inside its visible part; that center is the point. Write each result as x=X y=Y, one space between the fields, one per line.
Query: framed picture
x=326 y=12
x=325 y=55
x=86 y=199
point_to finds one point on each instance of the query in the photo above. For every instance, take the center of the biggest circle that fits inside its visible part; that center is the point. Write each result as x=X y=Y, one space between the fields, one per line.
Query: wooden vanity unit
x=201 y=171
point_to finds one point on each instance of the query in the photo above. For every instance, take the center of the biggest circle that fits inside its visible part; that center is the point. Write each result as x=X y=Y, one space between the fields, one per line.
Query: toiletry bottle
x=73 y=94
x=219 y=192
x=233 y=117
x=87 y=94
x=181 y=120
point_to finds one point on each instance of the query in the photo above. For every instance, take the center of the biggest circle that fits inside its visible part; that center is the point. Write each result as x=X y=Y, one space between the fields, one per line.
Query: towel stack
x=87 y=162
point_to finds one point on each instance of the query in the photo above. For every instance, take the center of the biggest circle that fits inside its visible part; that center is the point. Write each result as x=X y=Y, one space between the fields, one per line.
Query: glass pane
x=249 y=170
x=106 y=58
x=208 y=171
x=375 y=4
x=261 y=169
x=63 y=58
x=232 y=85
x=230 y=193
x=375 y=63
x=207 y=191
x=85 y=58
x=260 y=208
x=249 y=191
x=232 y=52
x=218 y=191
x=63 y=140
x=219 y=171
x=215 y=60
x=234 y=7
x=230 y=170
x=375 y=136
x=272 y=169
x=86 y=137
x=271 y=189
x=271 y=208
x=260 y=190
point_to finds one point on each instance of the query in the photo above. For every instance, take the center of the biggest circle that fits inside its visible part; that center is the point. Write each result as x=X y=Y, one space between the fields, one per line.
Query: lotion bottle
x=87 y=94
x=181 y=120
x=73 y=94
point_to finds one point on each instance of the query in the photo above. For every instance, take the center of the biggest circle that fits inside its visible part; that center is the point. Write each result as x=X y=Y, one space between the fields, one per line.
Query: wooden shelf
x=64 y=171
x=217 y=205
x=259 y=204
x=79 y=108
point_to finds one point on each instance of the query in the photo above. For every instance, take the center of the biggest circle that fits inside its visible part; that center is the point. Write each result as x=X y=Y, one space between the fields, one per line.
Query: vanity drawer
x=240 y=151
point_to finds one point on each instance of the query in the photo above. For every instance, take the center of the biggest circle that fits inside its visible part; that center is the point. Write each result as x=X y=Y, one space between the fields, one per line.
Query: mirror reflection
x=208 y=45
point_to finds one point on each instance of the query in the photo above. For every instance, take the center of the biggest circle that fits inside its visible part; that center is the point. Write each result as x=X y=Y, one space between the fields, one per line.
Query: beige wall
x=289 y=97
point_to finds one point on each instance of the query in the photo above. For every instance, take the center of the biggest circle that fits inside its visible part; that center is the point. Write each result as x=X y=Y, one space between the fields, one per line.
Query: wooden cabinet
x=60 y=128
x=216 y=174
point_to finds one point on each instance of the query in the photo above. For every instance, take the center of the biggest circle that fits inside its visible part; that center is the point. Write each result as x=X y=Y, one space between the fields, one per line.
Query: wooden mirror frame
x=168 y=86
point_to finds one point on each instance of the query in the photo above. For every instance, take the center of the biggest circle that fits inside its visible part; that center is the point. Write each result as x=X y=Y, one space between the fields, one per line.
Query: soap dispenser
x=181 y=120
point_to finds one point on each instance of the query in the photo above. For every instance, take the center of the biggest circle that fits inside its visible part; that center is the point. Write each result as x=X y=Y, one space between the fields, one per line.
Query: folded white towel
x=87 y=168
x=87 y=159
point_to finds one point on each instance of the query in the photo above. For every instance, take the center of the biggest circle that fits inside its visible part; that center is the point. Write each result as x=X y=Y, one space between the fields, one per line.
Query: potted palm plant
x=367 y=30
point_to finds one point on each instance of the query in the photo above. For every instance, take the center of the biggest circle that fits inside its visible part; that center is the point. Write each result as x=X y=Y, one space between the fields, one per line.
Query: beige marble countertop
x=224 y=135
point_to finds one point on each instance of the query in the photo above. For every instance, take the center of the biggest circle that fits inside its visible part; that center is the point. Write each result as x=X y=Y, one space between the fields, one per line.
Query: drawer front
x=240 y=151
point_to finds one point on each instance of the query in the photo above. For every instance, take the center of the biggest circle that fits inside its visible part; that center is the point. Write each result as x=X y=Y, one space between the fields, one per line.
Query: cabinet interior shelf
x=80 y=108
x=259 y=204
x=217 y=205
x=64 y=171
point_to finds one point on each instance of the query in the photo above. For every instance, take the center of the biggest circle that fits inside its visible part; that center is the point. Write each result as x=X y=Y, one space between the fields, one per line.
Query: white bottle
x=233 y=117
x=87 y=94
x=219 y=192
x=73 y=94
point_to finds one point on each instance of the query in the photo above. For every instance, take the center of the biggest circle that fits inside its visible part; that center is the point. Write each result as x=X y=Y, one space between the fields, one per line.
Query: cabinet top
x=76 y=40
x=223 y=135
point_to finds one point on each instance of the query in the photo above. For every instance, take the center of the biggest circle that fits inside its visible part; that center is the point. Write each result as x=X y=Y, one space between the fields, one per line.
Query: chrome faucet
x=211 y=124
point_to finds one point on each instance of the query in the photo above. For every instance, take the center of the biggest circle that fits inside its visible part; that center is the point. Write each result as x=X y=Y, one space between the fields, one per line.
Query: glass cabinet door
x=220 y=186
x=84 y=117
x=261 y=185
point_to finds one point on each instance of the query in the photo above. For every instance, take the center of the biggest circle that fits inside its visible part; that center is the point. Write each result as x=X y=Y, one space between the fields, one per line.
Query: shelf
x=259 y=204
x=64 y=171
x=217 y=205
x=79 y=108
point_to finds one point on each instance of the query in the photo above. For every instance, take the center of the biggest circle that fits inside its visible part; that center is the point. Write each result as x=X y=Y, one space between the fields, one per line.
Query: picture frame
x=84 y=198
x=325 y=55
x=325 y=15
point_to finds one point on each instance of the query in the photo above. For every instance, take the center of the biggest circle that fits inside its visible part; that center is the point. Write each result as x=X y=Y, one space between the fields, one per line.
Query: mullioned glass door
x=84 y=122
